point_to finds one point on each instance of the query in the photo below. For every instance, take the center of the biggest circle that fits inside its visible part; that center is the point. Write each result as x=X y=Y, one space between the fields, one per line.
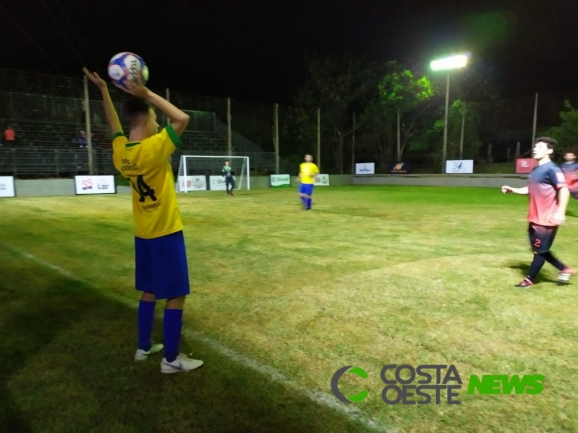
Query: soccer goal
x=203 y=172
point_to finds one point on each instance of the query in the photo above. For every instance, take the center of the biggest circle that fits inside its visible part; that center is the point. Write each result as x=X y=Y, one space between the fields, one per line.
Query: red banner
x=525 y=165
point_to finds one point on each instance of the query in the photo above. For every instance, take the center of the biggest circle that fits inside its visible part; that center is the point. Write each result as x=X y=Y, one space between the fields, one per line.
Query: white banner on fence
x=193 y=183
x=322 y=180
x=217 y=183
x=280 y=180
x=94 y=185
x=365 y=168
x=460 y=166
x=7 y=186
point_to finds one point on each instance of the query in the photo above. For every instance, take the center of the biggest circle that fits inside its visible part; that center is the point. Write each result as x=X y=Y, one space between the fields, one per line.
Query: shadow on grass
x=66 y=357
x=523 y=268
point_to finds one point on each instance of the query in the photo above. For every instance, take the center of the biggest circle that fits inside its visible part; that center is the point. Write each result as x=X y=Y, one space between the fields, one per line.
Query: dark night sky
x=254 y=49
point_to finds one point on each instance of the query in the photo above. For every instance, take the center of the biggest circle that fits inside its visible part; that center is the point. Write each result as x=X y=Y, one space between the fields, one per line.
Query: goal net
x=202 y=172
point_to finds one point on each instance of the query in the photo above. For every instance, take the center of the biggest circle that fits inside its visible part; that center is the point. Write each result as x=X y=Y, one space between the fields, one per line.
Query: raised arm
x=523 y=191
x=179 y=119
x=109 y=110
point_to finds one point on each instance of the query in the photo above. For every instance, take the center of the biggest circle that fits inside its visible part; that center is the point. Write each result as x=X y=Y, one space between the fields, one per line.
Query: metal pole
x=88 y=127
x=277 y=138
x=353 y=147
x=517 y=149
x=319 y=138
x=398 y=138
x=463 y=129
x=535 y=119
x=508 y=157
x=229 y=135
x=445 y=146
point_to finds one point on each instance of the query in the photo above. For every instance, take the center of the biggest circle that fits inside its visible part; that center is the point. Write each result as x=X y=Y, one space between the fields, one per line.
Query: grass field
x=282 y=299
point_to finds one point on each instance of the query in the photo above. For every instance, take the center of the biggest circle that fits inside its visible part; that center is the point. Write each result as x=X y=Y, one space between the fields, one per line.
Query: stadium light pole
x=448 y=64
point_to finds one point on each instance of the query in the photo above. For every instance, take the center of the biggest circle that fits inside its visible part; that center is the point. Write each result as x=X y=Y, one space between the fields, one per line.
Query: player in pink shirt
x=548 y=201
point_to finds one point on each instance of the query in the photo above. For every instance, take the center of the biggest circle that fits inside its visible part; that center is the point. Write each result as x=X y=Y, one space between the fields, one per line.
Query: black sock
x=536 y=265
x=554 y=261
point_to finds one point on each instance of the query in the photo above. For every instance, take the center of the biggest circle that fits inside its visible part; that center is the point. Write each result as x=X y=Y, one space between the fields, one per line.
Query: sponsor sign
x=525 y=165
x=280 y=180
x=7 y=186
x=398 y=168
x=192 y=183
x=217 y=183
x=460 y=166
x=322 y=180
x=94 y=185
x=365 y=168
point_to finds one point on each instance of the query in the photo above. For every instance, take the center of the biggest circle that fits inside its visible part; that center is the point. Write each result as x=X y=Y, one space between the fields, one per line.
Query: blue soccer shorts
x=306 y=188
x=161 y=266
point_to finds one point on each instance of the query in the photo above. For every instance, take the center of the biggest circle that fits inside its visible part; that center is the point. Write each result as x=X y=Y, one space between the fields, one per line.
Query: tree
x=566 y=134
x=339 y=86
x=403 y=95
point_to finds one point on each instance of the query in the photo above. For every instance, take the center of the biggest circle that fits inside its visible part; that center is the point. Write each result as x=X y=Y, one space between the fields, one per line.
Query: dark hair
x=226 y=160
x=133 y=110
x=548 y=140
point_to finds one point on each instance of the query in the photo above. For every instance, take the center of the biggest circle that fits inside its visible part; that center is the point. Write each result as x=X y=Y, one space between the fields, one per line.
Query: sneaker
x=564 y=276
x=182 y=364
x=141 y=355
x=525 y=283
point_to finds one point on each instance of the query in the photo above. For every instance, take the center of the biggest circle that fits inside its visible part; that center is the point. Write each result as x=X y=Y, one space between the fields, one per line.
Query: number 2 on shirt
x=142 y=189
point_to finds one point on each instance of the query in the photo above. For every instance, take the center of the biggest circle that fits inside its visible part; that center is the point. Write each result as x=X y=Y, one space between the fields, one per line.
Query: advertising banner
x=7 y=186
x=192 y=183
x=280 y=181
x=398 y=168
x=94 y=185
x=322 y=180
x=525 y=165
x=365 y=168
x=465 y=166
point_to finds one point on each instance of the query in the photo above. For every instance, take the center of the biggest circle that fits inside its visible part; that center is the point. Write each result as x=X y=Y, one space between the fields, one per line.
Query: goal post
x=195 y=169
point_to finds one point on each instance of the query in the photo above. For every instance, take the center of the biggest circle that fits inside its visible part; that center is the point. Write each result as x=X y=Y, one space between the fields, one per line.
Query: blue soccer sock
x=146 y=316
x=172 y=323
x=308 y=203
x=304 y=201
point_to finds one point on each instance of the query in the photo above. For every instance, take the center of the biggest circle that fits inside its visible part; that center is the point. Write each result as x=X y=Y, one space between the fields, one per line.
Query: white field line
x=320 y=398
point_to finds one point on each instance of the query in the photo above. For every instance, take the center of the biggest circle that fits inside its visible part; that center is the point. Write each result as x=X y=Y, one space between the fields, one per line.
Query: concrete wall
x=43 y=187
x=488 y=181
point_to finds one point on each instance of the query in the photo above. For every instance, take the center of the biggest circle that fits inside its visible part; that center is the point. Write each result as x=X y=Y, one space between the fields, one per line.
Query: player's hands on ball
x=137 y=88
x=95 y=78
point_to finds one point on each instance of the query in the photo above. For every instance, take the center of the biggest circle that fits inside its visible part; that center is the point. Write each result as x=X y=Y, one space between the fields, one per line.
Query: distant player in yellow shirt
x=307 y=173
x=161 y=260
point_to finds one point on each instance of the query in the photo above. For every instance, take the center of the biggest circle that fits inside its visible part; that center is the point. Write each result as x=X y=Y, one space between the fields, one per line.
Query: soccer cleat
x=182 y=364
x=525 y=283
x=564 y=276
x=141 y=355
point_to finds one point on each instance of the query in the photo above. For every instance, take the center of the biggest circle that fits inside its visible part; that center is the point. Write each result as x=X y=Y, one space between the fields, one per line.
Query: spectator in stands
x=81 y=141
x=9 y=136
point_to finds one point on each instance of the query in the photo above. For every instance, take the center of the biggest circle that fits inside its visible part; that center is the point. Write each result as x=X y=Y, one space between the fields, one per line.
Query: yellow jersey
x=146 y=166
x=308 y=172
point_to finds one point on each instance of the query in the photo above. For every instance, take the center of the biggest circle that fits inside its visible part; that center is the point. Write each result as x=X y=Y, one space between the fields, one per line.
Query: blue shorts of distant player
x=306 y=188
x=161 y=266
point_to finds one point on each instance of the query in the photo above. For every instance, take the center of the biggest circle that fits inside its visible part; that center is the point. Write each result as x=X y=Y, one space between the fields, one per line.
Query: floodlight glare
x=453 y=62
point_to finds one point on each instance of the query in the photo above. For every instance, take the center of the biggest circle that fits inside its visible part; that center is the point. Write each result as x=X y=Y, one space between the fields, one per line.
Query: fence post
x=319 y=138
x=168 y=93
x=535 y=119
x=229 y=136
x=88 y=127
x=277 y=138
x=353 y=147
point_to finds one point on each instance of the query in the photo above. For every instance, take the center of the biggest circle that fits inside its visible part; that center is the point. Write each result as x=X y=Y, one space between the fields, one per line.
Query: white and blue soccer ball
x=125 y=67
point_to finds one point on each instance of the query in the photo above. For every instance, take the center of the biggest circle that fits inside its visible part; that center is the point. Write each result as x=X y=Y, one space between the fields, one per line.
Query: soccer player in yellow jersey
x=307 y=173
x=161 y=270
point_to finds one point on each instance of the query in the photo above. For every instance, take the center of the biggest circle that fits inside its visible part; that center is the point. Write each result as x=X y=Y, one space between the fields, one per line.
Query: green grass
x=372 y=276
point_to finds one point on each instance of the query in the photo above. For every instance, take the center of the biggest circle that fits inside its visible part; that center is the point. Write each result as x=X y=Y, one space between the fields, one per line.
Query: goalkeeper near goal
x=229 y=175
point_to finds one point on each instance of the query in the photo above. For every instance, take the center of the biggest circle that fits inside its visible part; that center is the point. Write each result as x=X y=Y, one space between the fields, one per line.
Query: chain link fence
x=48 y=115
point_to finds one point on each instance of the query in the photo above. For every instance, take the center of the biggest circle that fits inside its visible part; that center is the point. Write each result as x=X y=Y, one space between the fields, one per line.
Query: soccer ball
x=127 y=66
